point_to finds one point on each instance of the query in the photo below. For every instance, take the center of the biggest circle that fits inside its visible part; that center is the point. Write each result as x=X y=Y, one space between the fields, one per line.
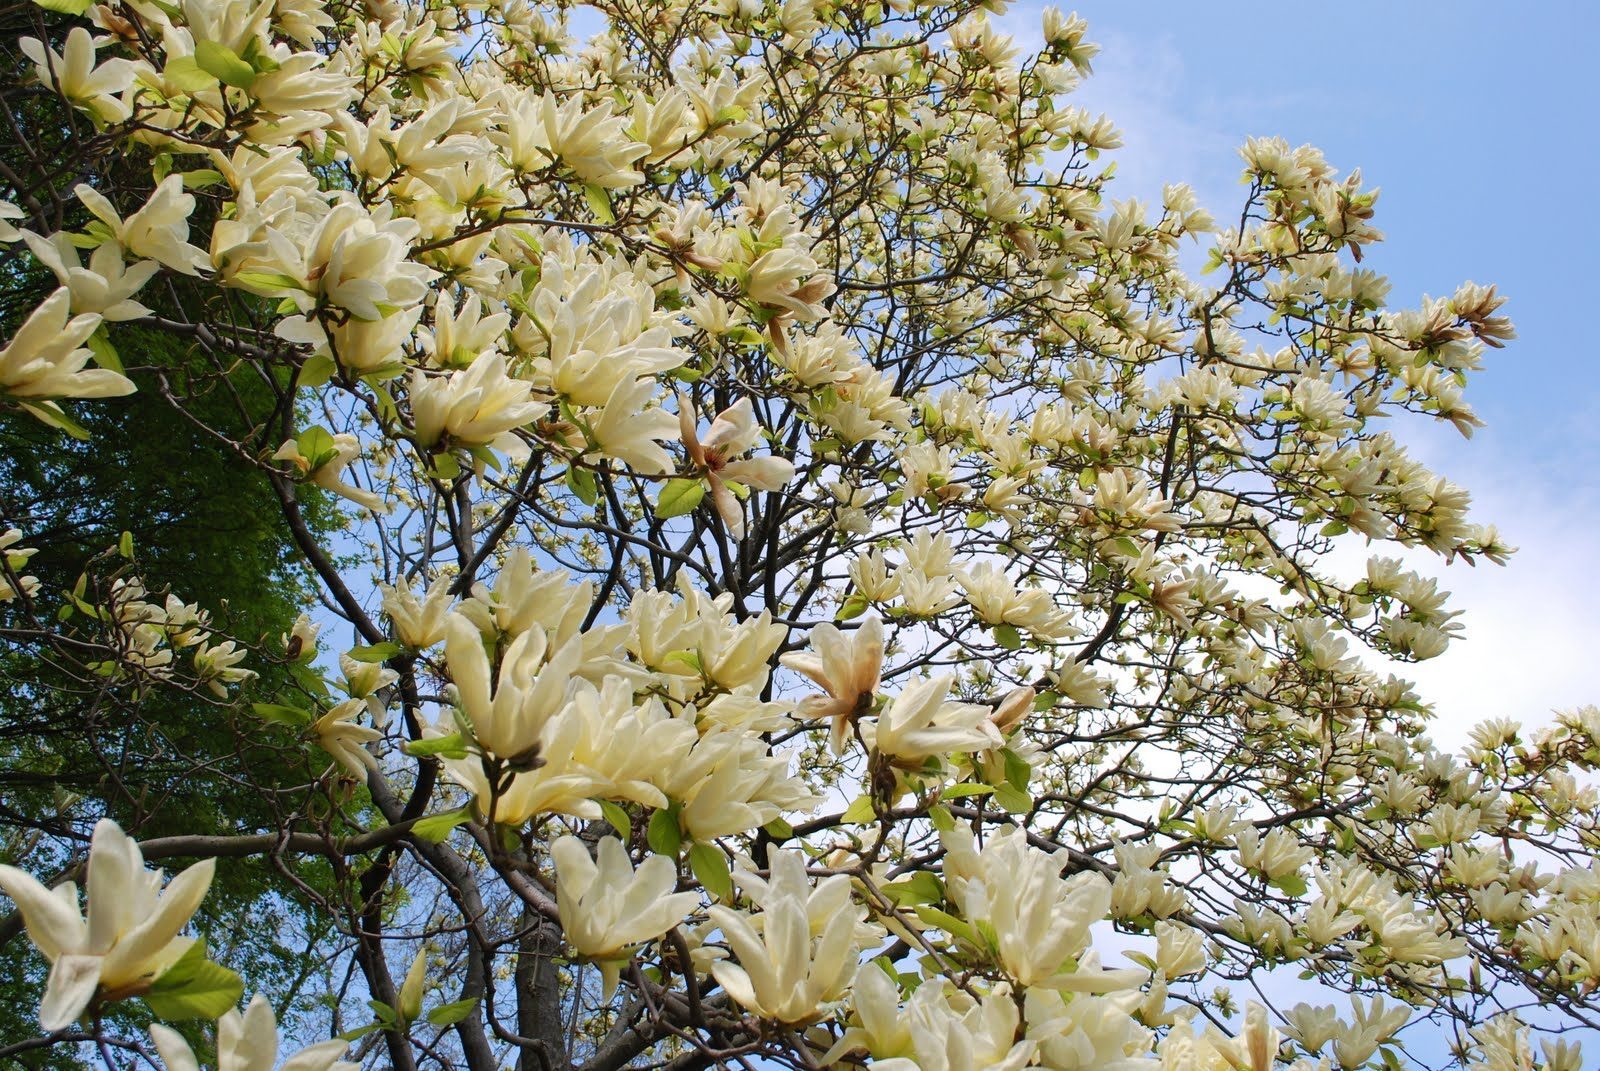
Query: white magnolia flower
x=45 y=359
x=339 y=734
x=74 y=75
x=607 y=907
x=537 y=131
x=783 y=971
x=159 y=231
x=130 y=935
x=9 y=211
x=847 y=669
x=918 y=724
x=733 y=432
x=346 y=449
x=106 y=286
x=249 y=1042
x=473 y=406
x=527 y=692
x=417 y=622
x=630 y=433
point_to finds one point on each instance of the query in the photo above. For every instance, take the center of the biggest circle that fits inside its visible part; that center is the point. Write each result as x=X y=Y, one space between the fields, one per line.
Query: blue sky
x=1477 y=121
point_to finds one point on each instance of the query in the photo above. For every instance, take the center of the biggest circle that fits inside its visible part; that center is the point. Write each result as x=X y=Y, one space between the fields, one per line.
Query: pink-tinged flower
x=847 y=669
x=733 y=432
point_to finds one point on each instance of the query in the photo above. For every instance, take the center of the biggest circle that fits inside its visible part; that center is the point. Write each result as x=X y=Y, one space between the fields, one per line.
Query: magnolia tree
x=821 y=585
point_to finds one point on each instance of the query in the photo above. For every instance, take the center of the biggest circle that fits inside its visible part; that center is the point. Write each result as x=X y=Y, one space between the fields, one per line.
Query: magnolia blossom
x=847 y=670
x=537 y=131
x=785 y=971
x=473 y=406
x=106 y=286
x=130 y=934
x=249 y=1042
x=325 y=474
x=417 y=622
x=159 y=231
x=339 y=734
x=527 y=692
x=16 y=559
x=45 y=359
x=732 y=433
x=919 y=724
x=74 y=74
x=607 y=906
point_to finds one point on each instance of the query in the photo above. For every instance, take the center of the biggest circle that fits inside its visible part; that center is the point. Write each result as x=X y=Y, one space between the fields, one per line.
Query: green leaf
x=710 y=868
x=125 y=545
x=1007 y=637
x=105 y=354
x=618 y=818
x=955 y=792
x=860 y=812
x=445 y=467
x=279 y=714
x=194 y=180
x=450 y=747
x=378 y=652
x=316 y=446
x=854 y=606
x=64 y=7
x=779 y=829
x=194 y=988
x=224 y=64
x=316 y=371
x=360 y=1032
x=452 y=1013
x=1013 y=799
x=1290 y=884
x=948 y=923
x=266 y=283
x=687 y=658
x=1018 y=772
x=53 y=415
x=436 y=828
x=678 y=497
x=663 y=836
x=582 y=484
x=941 y=818
x=921 y=888
x=599 y=203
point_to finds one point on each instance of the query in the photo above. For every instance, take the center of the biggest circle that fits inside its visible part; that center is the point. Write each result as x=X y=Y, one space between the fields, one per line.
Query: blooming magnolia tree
x=822 y=586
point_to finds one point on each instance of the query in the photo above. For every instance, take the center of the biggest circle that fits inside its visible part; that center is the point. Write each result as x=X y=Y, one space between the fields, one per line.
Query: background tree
x=73 y=749
x=823 y=585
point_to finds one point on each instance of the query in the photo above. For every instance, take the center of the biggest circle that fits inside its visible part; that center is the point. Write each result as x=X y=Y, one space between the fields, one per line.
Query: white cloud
x=1531 y=627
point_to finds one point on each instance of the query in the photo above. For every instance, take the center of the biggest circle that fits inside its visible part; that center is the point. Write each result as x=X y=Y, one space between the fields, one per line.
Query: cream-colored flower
x=473 y=406
x=848 y=672
x=106 y=286
x=919 y=723
x=417 y=622
x=129 y=936
x=527 y=692
x=733 y=432
x=783 y=972
x=45 y=359
x=159 y=231
x=74 y=74
x=608 y=908
x=249 y=1042
x=340 y=735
